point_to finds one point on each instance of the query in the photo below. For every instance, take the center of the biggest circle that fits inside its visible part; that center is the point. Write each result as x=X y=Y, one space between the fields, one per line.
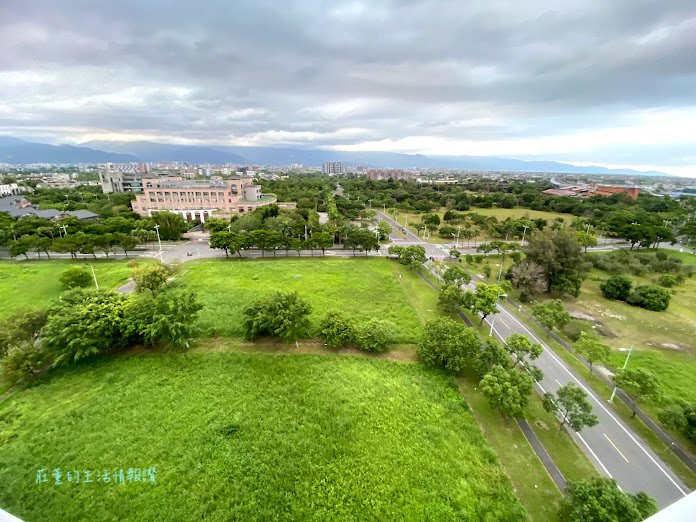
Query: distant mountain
x=13 y=150
x=16 y=151
x=147 y=151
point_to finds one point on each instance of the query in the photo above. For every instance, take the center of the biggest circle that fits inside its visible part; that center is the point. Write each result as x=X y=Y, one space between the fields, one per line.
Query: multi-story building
x=200 y=199
x=388 y=174
x=10 y=189
x=333 y=168
x=117 y=178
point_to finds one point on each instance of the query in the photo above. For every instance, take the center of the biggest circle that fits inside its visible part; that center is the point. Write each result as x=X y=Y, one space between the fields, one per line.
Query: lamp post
x=629 y=350
x=524 y=232
x=459 y=229
x=497 y=296
x=65 y=229
x=95 y=277
x=159 y=241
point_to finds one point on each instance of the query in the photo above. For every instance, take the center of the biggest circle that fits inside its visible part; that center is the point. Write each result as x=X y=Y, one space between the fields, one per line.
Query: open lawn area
x=239 y=436
x=363 y=288
x=33 y=284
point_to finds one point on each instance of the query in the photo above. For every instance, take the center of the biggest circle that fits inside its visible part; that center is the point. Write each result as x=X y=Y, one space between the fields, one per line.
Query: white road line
x=615 y=446
x=559 y=382
x=594 y=455
x=601 y=405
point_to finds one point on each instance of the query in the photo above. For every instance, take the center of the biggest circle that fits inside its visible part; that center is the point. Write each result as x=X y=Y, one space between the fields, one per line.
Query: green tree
x=600 y=500
x=454 y=275
x=552 y=314
x=507 y=390
x=322 y=240
x=336 y=329
x=75 y=277
x=171 y=225
x=639 y=384
x=83 y=323
x=450 y=299
x=22 y=361
x=491 y=354
x=483 y=300
x=593 y=350
x=682 y=417
x=23 y=325
x=558 y=253
x=454 y=253
x=585 y=239
x=383 y=229
x=571 y=403
x=522 y=348
x=375 y=335
x=617 y=287
x=650 y=297
x=282 y=314
x=448 y=344
x=151 y=277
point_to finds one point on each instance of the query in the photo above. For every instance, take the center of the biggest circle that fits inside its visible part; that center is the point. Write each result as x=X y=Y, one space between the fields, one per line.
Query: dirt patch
x=669 y=346
x=582 y=316
x=541 y=424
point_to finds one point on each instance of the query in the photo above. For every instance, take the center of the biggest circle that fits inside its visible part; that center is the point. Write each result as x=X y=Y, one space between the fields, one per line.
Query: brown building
x=388 y=174
x=588 y=191
x=200 y=199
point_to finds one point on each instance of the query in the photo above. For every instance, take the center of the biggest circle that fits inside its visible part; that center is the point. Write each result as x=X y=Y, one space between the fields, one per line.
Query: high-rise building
x=333 y=168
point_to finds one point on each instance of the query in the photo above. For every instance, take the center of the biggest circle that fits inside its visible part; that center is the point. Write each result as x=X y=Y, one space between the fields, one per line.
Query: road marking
x=505 y=324
x=594 y=455
x=559 y=382
x=601 y=405
x=615 y=447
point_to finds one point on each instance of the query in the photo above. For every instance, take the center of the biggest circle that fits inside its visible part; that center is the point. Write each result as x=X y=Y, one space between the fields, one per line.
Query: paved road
x=615 y=449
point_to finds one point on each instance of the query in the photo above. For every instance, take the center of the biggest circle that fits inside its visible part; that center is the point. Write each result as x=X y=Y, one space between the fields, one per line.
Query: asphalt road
x=615 y=449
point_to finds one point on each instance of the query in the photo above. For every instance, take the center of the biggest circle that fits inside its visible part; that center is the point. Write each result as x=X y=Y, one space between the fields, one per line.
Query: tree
x=558 y=253
x=483 y=300
x=374 y=335
x=593 y=350
x=75 y=277
x=454 y=253
x=22 y=361
x=490 y=354
x=552 y=314
x=450 y=299
x=682 y=417
x=168 y=316
x=617 y=287
x=650 y=297
x=322 y=240
x=639 y=384
x=457 y=276
x=21 y=326
x=585 y=239
x=83 y=323
x=282 y=314
x=126 y=242
x=336 y=329
x=571 y=403
x=383 y=229
x=448 y=344
x=522 y=348
x=171 y=225
x=151 y=277
x=600 y=500
x=507 y=390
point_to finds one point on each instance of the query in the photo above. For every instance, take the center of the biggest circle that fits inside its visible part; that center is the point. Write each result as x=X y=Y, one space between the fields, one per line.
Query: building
x=10 y=189
x=116 y=179
x=18 y=207
x=588 y=191
x=195 y=199
x=333 y=168
x=388 y=174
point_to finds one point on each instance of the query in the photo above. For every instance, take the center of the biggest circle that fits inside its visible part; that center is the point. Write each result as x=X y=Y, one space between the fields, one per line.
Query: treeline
x=85 y=322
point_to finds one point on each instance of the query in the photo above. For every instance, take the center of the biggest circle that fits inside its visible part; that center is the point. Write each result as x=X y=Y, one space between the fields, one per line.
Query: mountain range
x=17 y=151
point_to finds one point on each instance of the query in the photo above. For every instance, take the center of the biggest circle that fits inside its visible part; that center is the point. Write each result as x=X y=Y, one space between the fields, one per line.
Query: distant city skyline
x=592 y=83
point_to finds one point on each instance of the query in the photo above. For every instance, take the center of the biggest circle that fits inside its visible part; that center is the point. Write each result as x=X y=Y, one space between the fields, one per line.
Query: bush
x=449 y=344
x=617 y=287
x=336 y=330
x=681 y=417
x=151 y=277
x=23 y=361
x=21 y=326
x=551 y=314
x=283 y=315
x=667 y=280
x=75 y=277
x=374 y=335
x=650 y=297
x=575 y=328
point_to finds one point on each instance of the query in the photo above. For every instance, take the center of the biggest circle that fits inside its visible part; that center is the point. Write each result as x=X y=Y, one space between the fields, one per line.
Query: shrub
x=336 y=329
x=374 y=335
x=75 y=277
x=24 y=325
x=22 y=361
x=283 y=315
x=682 y=417
x=151 y=277
x=667 y=280
x=449 y=344
x=617 y=287
x=551 y=314
x=650 y=297
x=575 y=328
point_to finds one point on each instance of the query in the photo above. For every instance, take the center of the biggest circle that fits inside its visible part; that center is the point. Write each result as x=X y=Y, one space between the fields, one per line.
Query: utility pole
x=95 y=277
x=65 y=229
x=159 y=241
x=524 y=232
x=630 y=350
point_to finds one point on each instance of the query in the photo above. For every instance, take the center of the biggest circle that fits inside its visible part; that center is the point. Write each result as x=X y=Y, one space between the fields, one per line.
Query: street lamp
x=159 y=241
x=629 y=350
x=498 y=296
x=95 y=277
x=524 y=232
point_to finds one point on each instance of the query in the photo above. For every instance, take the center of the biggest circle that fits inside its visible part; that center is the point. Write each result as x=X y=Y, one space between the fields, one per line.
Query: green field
x=363 y=288
x=409 y=218
x=237 y=436
x=33 y=284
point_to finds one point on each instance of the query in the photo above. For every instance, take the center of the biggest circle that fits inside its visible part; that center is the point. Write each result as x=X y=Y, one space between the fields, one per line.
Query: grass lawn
x=33 y=284
x=239 y=436
x=363 y=288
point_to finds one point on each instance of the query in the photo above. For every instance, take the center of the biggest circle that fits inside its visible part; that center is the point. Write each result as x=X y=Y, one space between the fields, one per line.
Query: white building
x=10 y=189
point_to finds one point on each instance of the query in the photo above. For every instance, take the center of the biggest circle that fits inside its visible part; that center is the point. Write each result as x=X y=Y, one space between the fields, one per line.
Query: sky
x=601 y=82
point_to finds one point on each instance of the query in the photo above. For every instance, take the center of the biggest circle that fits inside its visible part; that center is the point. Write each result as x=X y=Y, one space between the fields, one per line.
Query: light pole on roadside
x=497 y=296
x=65 y=229
x=524 y=232
x=95 y=277
x=459 y=229
x=630 y=351
x=159 y=241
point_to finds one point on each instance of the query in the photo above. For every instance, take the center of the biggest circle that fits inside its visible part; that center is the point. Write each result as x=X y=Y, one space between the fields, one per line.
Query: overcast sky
x=607 y=82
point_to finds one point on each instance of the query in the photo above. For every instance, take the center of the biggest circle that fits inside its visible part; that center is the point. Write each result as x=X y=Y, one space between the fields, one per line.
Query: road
x=615 y=449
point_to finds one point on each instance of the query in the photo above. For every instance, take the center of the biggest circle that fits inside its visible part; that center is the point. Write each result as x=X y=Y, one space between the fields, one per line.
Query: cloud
x=595 y=81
